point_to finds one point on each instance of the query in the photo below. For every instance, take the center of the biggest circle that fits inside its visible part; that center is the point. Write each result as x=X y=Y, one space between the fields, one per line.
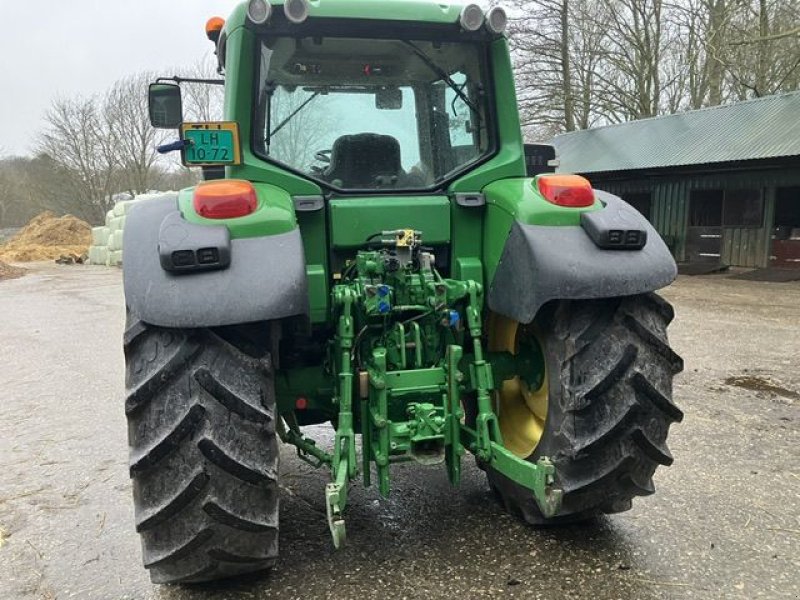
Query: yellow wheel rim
x=521 y=411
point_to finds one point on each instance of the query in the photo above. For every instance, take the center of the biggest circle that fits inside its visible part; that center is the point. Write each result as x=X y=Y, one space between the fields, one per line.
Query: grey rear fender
x=543 y=263
x=254 y=279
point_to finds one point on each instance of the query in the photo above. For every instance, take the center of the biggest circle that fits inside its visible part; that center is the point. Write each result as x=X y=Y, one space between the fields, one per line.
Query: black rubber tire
x=203 y=453
x=610 y=371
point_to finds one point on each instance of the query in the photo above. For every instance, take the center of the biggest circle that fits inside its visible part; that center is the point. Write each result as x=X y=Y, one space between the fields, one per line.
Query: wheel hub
x=521 y=401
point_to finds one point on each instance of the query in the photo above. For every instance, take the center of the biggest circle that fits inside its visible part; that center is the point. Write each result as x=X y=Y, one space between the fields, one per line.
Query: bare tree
x=6 y=195
x=586 y=62
x=637 y=78
x=534 y=39
x=129 y=139
x=763 y=49
x=296 y=127
x=74 y=141
x=203 y=102
x=588 y=50
x=578 y=63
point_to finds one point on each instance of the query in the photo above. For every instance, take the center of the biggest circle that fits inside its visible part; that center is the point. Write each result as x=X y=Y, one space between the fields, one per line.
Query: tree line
x=91 y=149
x=578 y=63
x=585 y=63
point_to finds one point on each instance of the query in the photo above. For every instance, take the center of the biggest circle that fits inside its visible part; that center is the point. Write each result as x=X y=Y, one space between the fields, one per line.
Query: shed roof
x=755 y=129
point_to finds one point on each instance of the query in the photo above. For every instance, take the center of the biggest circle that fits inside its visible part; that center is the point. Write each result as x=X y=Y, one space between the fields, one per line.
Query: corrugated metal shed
x=756 y=129
x=670 y=194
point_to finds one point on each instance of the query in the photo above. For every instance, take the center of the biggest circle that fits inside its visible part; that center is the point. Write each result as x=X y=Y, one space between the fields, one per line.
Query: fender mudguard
x=255 y=279
x=542 y=263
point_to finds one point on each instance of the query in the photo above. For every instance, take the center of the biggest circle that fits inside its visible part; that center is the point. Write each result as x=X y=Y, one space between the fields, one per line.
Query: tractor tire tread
x=614 y=369
x=170 y=507
x=164 y=446
x=168 y=369
x=233 y=402
x=204 y=454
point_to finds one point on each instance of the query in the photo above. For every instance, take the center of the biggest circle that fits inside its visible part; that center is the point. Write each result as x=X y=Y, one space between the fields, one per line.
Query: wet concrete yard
x=724 y=522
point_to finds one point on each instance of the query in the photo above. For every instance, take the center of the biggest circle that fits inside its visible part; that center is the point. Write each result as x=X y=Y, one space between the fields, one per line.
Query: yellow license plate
x=211 y=143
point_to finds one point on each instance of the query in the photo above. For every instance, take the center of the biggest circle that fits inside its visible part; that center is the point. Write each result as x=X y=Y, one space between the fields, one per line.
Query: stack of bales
x=106 y=246
x=98 y=251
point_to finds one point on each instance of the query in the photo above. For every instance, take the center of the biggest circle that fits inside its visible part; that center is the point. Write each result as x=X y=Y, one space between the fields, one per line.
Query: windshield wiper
x=269 y=90
x=444 y=77
x=283 y=123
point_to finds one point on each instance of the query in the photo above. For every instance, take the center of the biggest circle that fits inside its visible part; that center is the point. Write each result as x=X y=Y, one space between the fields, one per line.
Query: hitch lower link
x=484 y=441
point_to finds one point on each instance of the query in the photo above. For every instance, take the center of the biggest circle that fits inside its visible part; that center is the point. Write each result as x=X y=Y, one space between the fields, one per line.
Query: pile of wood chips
x=48 y=237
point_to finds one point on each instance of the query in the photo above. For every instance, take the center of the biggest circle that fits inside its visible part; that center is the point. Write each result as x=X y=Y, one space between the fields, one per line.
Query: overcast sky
x=67 y=47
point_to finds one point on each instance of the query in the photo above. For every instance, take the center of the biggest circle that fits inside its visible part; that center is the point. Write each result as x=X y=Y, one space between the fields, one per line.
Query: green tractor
x=375 y=247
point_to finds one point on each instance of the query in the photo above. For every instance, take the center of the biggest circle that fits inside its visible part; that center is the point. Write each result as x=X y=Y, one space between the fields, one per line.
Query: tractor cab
x=372 y=115
x=343 y=105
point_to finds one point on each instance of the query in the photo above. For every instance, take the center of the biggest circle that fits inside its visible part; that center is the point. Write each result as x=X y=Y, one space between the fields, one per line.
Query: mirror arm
x=180 y=80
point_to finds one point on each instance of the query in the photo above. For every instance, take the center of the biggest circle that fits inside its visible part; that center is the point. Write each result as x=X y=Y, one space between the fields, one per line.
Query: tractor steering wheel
x=323 y=156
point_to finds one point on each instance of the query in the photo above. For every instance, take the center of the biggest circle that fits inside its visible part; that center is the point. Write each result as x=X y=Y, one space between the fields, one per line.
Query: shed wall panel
x=746 y=247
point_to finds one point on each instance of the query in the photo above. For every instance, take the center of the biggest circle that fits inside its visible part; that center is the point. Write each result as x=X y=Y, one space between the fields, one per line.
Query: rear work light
x=296 y=11
x=573 y=191
x=225 y=199
x=471 y=17
x=259 y=11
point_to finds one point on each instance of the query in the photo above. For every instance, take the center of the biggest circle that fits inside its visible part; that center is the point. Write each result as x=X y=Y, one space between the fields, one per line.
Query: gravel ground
x=724 y=523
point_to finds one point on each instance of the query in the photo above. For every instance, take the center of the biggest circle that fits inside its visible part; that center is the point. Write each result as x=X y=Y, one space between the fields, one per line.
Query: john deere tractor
x=374 y=248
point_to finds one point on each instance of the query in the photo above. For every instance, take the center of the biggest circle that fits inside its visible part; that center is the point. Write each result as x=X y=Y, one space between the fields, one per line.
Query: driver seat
x=358 y=160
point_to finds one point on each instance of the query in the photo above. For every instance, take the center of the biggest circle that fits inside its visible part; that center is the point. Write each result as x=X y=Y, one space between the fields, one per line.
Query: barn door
x=704 y=232
x=786 y=231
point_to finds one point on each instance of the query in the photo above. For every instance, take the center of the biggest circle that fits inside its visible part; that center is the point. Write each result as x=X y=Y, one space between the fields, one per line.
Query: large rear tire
x=609 y=405
x=203 y=453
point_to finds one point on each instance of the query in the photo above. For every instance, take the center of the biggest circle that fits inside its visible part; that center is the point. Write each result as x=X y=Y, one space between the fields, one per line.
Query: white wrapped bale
x=116 y=224
x=114 y=258
x=99 y=236
x=98 y=255
x=150 y=196
x=115 y=240
x=121 y=208
x=106 y=246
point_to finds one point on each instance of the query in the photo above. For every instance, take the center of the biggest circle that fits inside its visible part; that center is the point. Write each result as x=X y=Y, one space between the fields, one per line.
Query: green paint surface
x=353 y=220
x=520 y=198
x=274 y=213
x=240 y=81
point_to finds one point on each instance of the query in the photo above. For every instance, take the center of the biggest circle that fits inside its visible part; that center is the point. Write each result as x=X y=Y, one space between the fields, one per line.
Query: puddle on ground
x=757 y=384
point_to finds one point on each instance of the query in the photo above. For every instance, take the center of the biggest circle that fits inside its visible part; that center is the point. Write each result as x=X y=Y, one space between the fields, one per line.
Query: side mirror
x=389 y=98
x=540 y=158
x=165 y=105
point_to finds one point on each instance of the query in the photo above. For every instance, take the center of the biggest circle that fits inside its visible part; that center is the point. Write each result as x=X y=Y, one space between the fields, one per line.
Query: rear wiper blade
x=444 y=77
x=283 y=123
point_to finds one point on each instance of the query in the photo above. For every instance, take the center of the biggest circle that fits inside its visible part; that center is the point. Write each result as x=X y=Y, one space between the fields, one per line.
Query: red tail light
x=225 y=199
x=566 y=190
